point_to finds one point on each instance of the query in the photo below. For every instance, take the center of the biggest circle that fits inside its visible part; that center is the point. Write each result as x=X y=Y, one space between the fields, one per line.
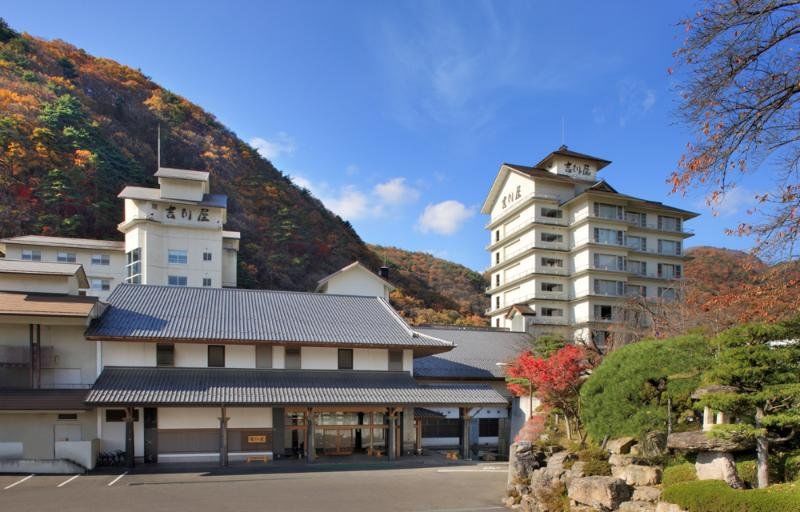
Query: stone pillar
x=223 y=437
x=708 y=419
x=129 y=446
x=309 y=437
x=465 y=428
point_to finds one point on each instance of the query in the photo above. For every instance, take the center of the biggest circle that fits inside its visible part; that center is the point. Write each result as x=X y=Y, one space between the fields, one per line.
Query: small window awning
x=124 y=386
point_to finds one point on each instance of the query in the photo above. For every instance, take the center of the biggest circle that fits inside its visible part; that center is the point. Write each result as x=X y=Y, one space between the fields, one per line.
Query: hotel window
x=497 y=236
x=552 y=287
x=669 y=223
x=395 y=360
x=489 y=427
x=552 y=237
x=263 y=356
x=177 y=257
x=133 y=268
x=552 y=262
x=608 y=211
x=102 y=259
x=637 y=243
x=176 y=280
x=497 y=302
x=101 y=284
x=608 y=287
x=637 y=219
x=66 y=257
x=497 y=322
x=117 y=415
x=345 y=359
x=207 y=282
x=497 y=258
x=608 y=236
x=206 y=256
x=216 y=356
x=165 y=354
x=603 y=312
x=552 y=312
x=637 y=267
x=669 y=247
x=31 y=255
x=667 y=293
x=441 y=427
x=293 y=361
x=497 y=279
x=609 y=262
x=667 y=271
x=552 y=213
x=634 y=290
x=601 y=338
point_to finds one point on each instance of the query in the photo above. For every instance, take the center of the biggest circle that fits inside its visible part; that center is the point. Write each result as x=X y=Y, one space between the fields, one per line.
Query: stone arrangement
x=538 y=480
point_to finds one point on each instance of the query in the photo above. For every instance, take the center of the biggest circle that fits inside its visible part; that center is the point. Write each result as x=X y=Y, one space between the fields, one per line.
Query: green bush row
x=716 y=496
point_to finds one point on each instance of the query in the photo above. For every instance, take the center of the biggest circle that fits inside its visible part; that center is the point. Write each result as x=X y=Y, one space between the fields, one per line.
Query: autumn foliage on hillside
x=725 y=287
x=432 y=290
x=75 y=129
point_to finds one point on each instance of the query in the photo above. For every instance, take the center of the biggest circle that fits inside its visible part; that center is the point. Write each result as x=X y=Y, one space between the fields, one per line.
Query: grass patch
x=716 y=496
x=678 y=473
x=595 y=461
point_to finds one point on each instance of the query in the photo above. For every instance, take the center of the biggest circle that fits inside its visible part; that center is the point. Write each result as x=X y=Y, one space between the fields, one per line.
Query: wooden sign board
x=256 y=439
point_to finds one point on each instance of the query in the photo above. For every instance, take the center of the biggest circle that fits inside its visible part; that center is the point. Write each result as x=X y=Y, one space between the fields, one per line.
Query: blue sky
x=398 y=114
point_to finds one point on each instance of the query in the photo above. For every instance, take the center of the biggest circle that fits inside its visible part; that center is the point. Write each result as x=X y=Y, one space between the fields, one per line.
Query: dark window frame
x=214 y=354
x=166 y=350
x=344 y=360
x=395 y=365
x=118 y=415
x=488 y=427
x=299 y=358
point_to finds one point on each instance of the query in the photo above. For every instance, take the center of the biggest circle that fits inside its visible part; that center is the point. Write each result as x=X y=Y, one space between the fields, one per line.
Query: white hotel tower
x=567 y=250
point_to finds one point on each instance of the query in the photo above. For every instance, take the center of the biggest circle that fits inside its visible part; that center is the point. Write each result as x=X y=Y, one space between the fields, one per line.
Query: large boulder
x=699 y=441
x=663 y=506
x=637 y=506
x=647 y=493
x=718 y=466
x=635 y=474
x=523 y=459
x=621 y=445
x=601 y=492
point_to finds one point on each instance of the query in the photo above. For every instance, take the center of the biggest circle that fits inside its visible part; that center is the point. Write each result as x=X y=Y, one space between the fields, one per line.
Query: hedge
x=716 y=496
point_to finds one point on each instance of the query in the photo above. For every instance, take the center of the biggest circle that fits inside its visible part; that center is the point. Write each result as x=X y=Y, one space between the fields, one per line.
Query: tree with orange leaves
x=741 y=86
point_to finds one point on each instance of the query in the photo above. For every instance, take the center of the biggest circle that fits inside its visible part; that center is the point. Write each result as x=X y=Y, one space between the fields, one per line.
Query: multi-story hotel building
x=568 y=250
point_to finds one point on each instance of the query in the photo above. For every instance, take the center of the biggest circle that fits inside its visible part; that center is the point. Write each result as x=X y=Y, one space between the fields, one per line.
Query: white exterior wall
x=370 y=359
x=516 y=187
x=186 y=190
x=128 y=353
x=319 y=358
x=278 y=357
x=36 y=283
x=240 y=356
x=357 y=281
x=193 y=355
x=113 y=433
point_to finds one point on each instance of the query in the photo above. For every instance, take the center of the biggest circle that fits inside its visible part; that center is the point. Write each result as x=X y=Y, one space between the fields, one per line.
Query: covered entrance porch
x=200 y=414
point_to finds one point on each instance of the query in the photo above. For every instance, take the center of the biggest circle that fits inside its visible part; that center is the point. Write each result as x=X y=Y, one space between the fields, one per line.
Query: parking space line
x=112 y=482
x=9 y=486
x=68 y=480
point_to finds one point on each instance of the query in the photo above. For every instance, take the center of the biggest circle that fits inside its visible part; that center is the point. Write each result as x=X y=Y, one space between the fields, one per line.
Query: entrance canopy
x=118 y=386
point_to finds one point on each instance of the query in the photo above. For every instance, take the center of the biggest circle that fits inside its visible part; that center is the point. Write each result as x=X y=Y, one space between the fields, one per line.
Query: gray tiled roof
x=234 y=386
x=148 y=312
x=476 y=354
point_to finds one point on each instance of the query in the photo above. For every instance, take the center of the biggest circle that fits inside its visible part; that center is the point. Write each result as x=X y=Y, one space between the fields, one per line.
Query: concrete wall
x=128 y=353
x=357 y=281
x=208 y=417
x=514 y=190
x=113 y=433
x=37 y=430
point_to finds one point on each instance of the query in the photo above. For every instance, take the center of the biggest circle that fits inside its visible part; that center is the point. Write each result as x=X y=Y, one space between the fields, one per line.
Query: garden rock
x=639 y=475
x=637 y=506
x=699 y=441
x=647 y=493
x=621 y=445
x=602 y=492
x=718 y=466
x=663 y=506
x=620 y=460
x=523 y=459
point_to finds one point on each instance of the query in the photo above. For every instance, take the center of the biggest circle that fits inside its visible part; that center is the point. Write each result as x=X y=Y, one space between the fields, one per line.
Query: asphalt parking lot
x=430 y=489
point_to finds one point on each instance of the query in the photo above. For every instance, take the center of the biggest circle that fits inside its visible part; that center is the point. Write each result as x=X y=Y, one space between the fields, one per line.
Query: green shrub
x=747 y=472
x=595 y=461
x=678 y=473
x=716 y=496
x=627 y=394
x=791 y=467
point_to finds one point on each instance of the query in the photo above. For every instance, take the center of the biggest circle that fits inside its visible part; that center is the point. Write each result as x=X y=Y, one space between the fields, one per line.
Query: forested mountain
x=433 y=290
x=75 y=129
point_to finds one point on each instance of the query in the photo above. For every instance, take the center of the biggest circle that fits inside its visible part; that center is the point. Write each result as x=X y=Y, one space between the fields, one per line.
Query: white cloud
x=301 y=182
x=281 y=144
x=349 y=203
x=444 y=218
x=634 y=99
x=736 y=200
x=395 y=192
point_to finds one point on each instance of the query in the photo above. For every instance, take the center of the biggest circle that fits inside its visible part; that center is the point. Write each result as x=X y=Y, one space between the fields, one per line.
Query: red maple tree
x=554 y=380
